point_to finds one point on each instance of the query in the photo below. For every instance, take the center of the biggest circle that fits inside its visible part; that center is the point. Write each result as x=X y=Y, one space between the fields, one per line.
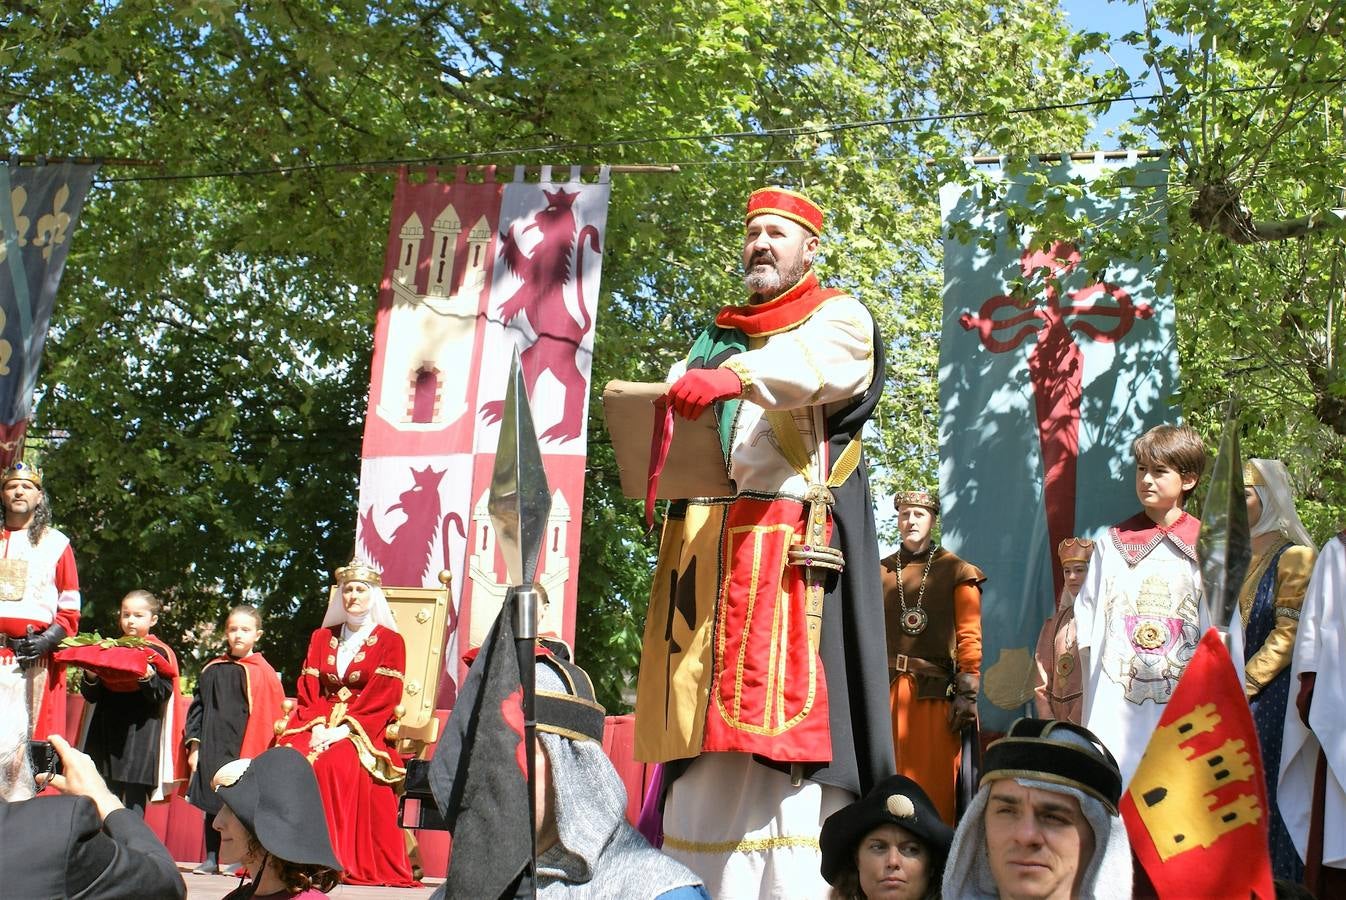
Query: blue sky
x=1116 y=18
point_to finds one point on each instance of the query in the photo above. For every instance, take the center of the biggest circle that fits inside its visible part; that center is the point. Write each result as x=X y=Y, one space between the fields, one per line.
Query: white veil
x=379 y=610
x=1278 y=503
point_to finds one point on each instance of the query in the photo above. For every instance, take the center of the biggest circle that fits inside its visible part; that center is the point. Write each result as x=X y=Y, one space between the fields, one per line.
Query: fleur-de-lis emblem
x=52 y=227
x=6 y=348
x=18 y=199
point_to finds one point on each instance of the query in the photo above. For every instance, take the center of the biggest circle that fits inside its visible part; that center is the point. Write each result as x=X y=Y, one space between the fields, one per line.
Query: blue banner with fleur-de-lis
x=38 y=220
x=1056 y=353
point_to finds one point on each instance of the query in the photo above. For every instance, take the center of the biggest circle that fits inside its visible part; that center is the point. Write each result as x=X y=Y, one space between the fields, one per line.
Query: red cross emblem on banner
x=1055 y=364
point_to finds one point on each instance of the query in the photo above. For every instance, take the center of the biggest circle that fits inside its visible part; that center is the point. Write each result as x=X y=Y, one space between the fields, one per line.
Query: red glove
x=699 y=388
x=1305 y=698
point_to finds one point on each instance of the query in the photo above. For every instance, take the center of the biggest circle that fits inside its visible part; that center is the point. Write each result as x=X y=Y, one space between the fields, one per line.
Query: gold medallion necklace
x=914 y=620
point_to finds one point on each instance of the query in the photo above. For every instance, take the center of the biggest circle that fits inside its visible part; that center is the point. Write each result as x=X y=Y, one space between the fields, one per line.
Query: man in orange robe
x=932 y=603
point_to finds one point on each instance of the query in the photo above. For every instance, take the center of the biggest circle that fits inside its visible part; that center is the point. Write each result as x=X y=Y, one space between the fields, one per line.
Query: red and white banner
x=474 y=270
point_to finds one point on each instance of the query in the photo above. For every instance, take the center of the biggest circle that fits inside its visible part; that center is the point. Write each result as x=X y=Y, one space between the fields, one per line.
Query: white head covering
x=598 y=855
x=1107 y=876
x=1278 y=503
x=967 y=875
x=379 y=611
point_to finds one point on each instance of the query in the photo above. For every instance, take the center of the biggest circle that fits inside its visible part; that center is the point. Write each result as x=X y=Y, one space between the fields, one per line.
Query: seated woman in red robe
x=349 y=689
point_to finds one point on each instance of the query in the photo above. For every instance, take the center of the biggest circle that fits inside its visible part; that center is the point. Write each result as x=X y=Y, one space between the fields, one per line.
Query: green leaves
x=205 y=381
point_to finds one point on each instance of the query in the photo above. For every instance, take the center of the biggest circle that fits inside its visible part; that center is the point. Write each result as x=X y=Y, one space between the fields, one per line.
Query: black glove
x=963 y=708
x=29 y=651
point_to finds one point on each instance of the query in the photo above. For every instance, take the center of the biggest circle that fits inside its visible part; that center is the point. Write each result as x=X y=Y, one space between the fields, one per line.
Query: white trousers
x=746 y=831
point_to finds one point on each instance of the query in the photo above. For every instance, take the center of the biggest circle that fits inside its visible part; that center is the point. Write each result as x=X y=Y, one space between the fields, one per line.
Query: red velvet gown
x=356 y=774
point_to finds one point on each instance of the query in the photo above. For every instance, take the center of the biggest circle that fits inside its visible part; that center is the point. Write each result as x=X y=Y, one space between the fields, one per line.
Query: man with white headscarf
x=585 y=846
x=1044 y=823
x=1269 y=608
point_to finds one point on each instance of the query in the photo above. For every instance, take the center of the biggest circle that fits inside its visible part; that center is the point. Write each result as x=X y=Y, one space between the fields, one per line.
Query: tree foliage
x=1252 y=112
x=201 y=403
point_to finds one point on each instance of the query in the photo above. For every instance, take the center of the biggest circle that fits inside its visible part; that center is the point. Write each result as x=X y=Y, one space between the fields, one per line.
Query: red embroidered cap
x=781 y=202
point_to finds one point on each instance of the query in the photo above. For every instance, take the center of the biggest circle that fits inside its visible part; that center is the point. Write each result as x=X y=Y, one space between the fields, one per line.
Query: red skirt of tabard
x=768 y=693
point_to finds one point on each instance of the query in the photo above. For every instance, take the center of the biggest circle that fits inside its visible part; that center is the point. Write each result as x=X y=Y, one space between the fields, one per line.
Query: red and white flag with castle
x=1196 y=809
x=473 y=270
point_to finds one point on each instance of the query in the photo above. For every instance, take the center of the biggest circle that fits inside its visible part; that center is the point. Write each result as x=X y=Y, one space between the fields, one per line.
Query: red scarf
x=781 y=313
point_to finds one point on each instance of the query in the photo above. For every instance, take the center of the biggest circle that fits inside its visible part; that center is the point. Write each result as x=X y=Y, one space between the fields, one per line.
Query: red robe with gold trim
x=355 y=774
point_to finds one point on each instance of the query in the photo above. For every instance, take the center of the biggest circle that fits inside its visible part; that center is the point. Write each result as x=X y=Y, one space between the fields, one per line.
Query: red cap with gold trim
x=793 y=206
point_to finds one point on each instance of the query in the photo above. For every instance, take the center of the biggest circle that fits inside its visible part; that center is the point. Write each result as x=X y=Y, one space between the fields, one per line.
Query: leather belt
x=916 y=666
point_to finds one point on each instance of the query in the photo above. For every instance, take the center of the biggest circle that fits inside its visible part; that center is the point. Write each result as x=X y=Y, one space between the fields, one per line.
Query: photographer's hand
x=81 y=778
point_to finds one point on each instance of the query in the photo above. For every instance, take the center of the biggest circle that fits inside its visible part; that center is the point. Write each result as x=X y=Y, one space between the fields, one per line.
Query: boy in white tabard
x=1137 y=616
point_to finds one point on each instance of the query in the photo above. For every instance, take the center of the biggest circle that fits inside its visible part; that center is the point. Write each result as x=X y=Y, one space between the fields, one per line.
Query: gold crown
x=1075 y=549
x=1252 y=475
x=23 y=471
x=358 y=570
x=919 y=497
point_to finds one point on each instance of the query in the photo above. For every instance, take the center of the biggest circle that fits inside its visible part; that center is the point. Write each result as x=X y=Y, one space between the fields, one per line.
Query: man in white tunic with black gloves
x=39 y=600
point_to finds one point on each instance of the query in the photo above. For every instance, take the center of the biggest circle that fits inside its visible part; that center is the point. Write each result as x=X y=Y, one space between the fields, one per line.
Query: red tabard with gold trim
x=768 y=694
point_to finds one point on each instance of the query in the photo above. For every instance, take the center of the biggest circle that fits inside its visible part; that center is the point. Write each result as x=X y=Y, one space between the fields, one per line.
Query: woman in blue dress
x=1273 y=591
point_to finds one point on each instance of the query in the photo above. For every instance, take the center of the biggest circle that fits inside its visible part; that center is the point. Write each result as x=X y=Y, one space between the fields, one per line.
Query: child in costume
x=1057 y=695
x=128 y=725
x=1137 y=617
x=233 y=715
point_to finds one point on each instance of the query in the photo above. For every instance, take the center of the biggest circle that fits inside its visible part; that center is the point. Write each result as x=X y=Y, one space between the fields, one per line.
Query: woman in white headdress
x=1269 y=604
x=349 y=689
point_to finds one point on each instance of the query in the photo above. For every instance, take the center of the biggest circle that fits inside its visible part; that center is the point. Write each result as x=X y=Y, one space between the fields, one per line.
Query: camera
x=44 y=758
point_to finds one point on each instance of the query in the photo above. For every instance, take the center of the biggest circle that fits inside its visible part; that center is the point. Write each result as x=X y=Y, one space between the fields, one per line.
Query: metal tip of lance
x=519 y=500
x=1225 y=544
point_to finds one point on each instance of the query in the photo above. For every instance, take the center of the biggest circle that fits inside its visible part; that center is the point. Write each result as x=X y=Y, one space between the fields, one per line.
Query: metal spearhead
x=519 y=500
x=1225 y=545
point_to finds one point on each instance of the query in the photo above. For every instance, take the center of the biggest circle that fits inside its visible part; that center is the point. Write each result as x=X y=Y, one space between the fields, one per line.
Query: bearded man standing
x=762 y=677
x=39 y=600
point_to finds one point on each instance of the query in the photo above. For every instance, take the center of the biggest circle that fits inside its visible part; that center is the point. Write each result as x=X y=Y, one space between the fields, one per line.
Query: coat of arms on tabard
x=13 y=578
x=1151 y=637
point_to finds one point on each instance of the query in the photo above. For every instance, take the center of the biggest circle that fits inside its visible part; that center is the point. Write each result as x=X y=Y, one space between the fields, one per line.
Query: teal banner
x=1049 y=369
